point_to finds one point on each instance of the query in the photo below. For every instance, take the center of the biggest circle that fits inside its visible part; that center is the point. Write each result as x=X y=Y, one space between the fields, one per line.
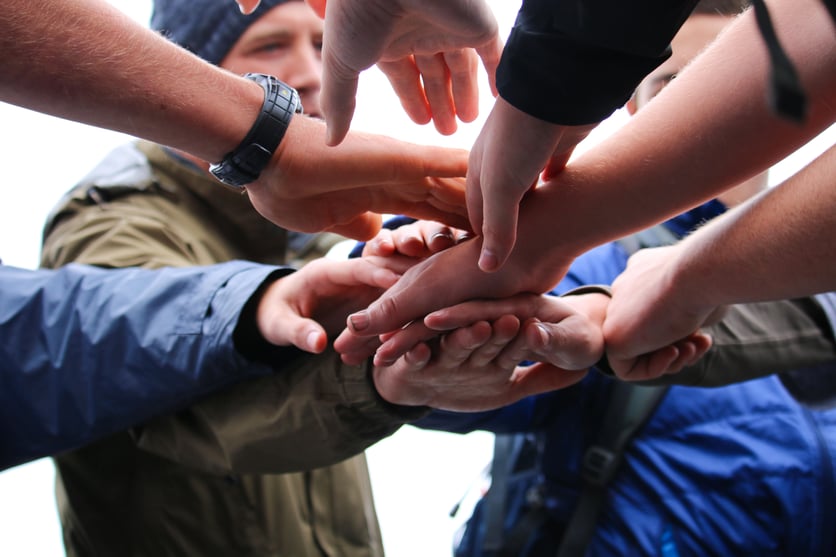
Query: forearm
x=91 y=352
x=84 y=60
x=709 y=130
x=778 y=245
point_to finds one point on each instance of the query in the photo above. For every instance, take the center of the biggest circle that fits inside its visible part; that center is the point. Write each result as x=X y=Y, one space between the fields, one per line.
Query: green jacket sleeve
x=316 y=412
x=311 y=412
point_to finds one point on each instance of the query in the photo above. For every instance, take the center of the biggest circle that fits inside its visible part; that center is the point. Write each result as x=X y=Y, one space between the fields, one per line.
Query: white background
x=417 y=476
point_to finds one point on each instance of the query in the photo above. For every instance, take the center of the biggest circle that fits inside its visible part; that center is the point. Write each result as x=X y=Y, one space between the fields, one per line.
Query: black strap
x=630 y=406
x=785 y=92
x=503 y=449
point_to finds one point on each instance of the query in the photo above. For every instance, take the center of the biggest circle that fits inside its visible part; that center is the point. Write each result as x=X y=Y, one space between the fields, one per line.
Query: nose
x=305 y=75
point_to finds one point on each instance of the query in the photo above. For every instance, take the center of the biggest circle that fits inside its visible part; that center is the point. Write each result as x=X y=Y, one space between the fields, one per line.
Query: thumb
x=338 y=99
x=499 y=231
x=306 y=334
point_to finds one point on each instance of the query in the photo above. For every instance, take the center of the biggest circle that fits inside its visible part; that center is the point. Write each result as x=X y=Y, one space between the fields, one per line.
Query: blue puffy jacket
x=737 y=470
x=86 y=352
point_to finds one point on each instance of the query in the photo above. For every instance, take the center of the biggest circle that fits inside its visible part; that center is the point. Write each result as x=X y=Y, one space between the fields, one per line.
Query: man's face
x=286 y=42
x=697 y=33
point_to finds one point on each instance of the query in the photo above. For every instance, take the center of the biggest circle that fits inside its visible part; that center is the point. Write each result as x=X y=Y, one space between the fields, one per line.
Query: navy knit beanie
x=209 y=28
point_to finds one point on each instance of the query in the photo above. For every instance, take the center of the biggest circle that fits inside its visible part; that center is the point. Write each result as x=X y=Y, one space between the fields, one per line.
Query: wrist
x=244 y=164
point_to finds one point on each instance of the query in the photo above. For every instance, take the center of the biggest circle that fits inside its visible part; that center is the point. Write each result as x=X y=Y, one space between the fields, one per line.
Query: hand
x=412 y=40
x=667 y=360
x=442 y=280
x=564 y=332
x=310 y=187
x=468 y=370
x=306 y=307
x=653 y=319
x=506 y=161
x=419 y=240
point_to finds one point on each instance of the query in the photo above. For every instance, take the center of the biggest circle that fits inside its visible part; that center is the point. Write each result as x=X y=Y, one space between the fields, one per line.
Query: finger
x=438 y=91
x=401 y=341
x=405 y=79
x=473 y=190
x=381 y=245
x=461 y=67
x=353 y=349
x=499 y=229
x=441 y=239
x=460 y=315
x=490 y=54
x=542 y=378
x=460 y=345
x=397 y=384
x=337 y=99
x=307 y=334
x=409 y=241
x=503 y=332
x=317 y=5
x=647 y=366
x=248 y=6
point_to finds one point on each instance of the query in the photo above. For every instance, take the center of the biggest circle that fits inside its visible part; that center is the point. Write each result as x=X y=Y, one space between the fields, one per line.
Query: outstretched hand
x=427 y=49
x=310 y=187
x=651 y=329
x=471 y=369
x=307 y=307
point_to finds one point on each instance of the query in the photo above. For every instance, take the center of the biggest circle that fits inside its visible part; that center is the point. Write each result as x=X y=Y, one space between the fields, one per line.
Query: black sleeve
x=574 y=62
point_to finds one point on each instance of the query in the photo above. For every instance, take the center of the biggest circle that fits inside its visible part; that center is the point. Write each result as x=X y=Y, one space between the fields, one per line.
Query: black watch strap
x=244 y=164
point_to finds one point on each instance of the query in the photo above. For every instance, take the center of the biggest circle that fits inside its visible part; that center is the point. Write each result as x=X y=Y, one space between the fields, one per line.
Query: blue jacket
x=87 y=352
x=737 y=470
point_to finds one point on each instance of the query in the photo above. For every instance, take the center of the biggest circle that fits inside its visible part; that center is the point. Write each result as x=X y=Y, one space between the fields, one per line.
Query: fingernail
x=311 y=340
x=488 y=261
x=359 y=321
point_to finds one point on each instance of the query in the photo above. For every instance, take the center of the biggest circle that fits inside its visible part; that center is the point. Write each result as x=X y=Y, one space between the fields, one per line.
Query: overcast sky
x=417 y=476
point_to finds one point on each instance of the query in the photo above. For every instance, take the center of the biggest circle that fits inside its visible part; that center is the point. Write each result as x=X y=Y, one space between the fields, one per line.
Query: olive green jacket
x=179 y=486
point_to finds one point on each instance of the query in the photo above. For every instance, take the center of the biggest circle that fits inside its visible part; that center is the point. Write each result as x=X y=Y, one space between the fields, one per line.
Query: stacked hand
x=647 y=311
x=310 y=187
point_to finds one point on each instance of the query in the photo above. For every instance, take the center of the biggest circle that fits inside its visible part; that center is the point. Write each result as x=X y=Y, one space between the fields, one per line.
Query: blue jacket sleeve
x=87 y=352
x=574 y=62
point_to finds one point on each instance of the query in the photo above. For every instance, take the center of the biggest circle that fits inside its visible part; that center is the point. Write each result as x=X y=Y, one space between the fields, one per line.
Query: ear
x=632 y=107
x=318 y=6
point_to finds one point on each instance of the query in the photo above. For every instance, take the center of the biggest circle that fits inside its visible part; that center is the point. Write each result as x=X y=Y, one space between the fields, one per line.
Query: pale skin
x=306 y=308
x=644 y=173
x=471 y=369
x=665 y=292
x=429 y=50
x=157 y=91
x=565 y=333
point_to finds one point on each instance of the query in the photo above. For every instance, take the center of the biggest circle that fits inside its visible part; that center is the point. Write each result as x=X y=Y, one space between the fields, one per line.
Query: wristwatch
x=244 y=164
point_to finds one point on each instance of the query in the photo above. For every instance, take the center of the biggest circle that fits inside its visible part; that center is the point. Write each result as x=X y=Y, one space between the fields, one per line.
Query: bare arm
x=779 y=245
x=647 y=171
x=86 y=61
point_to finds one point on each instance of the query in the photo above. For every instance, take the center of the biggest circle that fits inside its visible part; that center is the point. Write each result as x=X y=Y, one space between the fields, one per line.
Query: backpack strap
x=503 y=449
x=630 y=407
